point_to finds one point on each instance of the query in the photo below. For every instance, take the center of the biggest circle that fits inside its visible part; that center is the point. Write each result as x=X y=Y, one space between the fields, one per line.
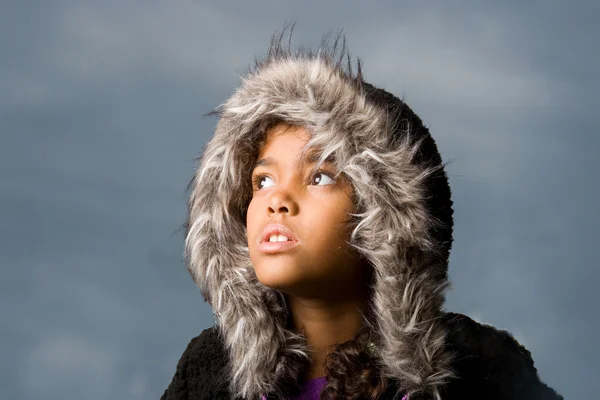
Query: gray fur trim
x=391 y=230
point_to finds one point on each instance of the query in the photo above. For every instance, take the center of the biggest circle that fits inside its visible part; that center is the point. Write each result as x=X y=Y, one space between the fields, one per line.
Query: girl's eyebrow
x=311 y=158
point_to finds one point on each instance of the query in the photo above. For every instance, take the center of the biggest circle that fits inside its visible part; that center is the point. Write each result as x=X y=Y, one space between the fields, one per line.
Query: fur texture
x=404 y=227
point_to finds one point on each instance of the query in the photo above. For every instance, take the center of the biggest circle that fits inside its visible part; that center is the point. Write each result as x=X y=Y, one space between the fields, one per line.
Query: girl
x=320 y=228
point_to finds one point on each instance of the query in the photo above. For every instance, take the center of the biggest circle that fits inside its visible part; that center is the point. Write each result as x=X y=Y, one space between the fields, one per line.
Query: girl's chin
x=300 y=286
x=280 y=281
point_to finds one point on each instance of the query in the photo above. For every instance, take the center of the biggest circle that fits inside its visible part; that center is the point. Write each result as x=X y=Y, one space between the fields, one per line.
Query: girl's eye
x=257 y=180
x=322 y=174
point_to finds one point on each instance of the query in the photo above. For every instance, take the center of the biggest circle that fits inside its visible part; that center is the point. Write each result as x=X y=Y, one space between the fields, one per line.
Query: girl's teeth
x=278 y=238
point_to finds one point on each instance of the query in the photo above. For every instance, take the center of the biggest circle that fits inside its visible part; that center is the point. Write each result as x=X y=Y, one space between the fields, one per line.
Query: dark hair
x=353 y=371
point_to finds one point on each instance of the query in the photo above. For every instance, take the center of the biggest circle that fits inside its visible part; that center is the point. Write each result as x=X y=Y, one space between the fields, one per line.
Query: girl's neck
x=324 y=325
x=315 y=370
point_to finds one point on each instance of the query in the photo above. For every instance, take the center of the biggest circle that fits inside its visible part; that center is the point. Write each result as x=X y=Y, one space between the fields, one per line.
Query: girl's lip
x=276 y=228
x=277 y=247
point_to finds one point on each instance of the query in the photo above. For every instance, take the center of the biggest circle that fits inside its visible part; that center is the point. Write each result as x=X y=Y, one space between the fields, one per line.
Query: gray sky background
x=101 y=108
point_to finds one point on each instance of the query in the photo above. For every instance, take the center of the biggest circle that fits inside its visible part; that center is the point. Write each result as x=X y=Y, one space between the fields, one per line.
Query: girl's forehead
x=284 y=139
x=283 y=128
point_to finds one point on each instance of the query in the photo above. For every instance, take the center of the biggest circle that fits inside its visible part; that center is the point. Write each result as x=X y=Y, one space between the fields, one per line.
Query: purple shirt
x=311 y=390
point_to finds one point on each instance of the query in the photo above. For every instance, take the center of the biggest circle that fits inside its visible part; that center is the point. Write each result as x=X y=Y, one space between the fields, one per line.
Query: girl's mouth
x=277 y=247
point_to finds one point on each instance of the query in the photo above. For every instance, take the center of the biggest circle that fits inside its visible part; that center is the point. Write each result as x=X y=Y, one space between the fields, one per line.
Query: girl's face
x=314 y=208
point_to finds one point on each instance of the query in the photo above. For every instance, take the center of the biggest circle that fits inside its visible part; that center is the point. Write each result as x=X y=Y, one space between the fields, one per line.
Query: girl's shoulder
x=490 y=361
x=202 y=370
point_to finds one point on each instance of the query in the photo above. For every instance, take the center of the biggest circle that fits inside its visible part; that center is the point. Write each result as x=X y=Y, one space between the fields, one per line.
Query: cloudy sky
x=101 y=108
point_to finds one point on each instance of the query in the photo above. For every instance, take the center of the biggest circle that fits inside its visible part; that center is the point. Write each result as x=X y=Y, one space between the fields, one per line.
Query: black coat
x=489 y=364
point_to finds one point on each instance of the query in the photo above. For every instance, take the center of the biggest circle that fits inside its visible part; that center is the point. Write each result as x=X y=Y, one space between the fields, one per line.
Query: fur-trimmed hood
x=403 y=227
